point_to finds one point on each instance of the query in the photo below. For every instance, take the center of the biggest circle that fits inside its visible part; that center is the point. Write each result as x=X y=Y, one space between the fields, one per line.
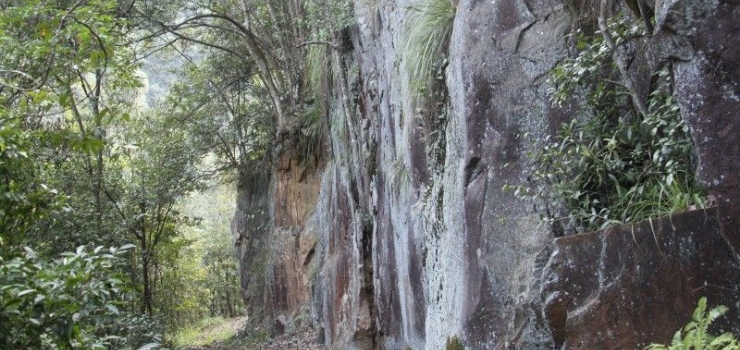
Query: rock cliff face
x=275 y=239
x=385 y=244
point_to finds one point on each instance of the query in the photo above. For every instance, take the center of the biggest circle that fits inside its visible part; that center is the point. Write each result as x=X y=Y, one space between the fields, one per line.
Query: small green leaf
x=29 y=252
x=112 y=308
x=127 y=247
x=26 y=292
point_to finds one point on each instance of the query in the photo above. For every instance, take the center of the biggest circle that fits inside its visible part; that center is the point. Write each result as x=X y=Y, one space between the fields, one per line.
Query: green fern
x=695 y=335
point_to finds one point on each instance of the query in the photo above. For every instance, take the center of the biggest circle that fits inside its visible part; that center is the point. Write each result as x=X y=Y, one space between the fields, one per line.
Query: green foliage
x=429 y=26
x=224 y=110
x=272 y=55
x=313 y=122
x=427 y=35
x=323 y=16
x=326 y=22
x=695 y=335
x=23 y=199
x=610 y=164
x=137 y=331
x=197 y=271
x=72 y=302
x=222 y=336
x=79 y=166
x=57 y=61
x=454 y=343
x=585 y=73
x=318 y=68
x=311 y=133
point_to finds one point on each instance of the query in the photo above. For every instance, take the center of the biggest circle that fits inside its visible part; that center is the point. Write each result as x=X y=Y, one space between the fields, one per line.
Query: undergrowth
x=207 y=331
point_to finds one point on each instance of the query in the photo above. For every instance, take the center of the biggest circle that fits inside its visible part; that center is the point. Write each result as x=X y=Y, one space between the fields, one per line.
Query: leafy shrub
x=695 y=335
x=24 y=200
x=68 y=303
x=611 y=164
x=136 y=331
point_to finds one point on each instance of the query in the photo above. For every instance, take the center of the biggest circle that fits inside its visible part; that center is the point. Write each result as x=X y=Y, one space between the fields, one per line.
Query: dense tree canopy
x=86 y=162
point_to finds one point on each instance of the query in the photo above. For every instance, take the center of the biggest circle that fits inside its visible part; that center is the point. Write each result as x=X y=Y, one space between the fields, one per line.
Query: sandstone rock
x=276 y=242
x=251 y=228
x=632 y=285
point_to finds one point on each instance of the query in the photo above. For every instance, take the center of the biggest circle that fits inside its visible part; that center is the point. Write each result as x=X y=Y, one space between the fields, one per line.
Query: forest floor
x=229 y=335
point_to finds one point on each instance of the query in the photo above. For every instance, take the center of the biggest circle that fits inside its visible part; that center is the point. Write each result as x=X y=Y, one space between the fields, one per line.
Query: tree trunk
x=146 y=280
x=146 y=305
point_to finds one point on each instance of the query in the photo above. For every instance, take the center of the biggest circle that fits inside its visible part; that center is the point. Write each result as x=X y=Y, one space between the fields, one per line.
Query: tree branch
x=621 y=64
x=325 y=43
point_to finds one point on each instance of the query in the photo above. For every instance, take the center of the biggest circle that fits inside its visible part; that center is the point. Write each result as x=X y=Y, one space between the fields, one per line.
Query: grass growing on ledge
x=429 y=25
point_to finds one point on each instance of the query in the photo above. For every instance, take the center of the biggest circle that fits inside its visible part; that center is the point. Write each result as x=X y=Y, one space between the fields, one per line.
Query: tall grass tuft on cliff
x=428 y=29
x=318 y=84
x=454 y=343
x=318 y=64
